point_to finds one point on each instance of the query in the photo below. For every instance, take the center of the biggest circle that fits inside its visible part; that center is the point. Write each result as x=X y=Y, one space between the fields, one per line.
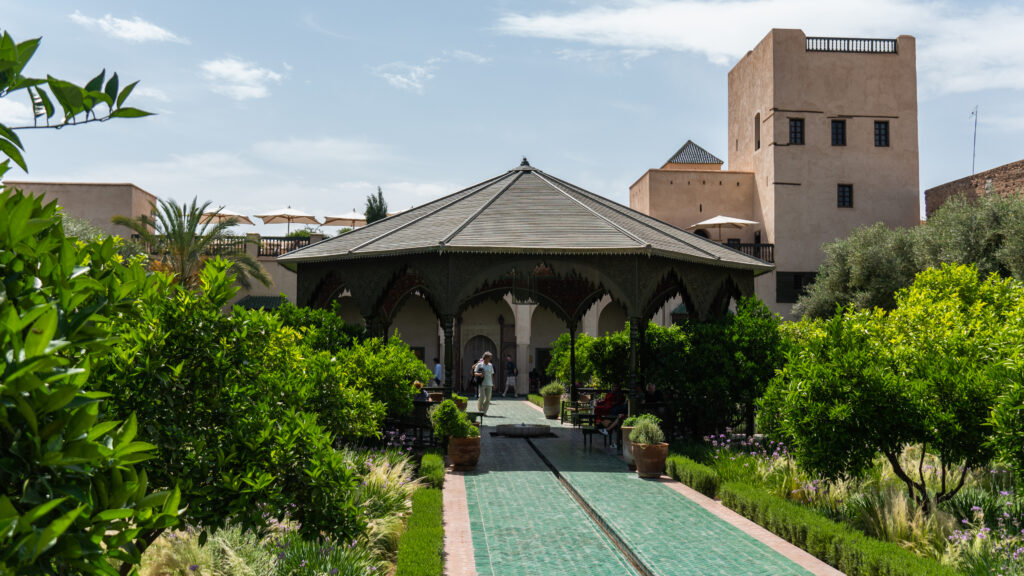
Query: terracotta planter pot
x=627 y=447
x=464 y=452
x=650 y=459
x=436 y=397
x=552 y=406
x=461 y=404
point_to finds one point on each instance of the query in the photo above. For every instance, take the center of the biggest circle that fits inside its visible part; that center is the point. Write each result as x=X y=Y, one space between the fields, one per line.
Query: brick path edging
x=458 y=538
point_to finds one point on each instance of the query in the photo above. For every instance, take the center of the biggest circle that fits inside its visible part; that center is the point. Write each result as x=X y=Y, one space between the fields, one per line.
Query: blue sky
x=314 y=104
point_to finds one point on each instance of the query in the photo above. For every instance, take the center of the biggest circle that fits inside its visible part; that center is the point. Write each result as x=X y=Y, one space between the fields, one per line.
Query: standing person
x=473 y=386
x=510 y=376
x=438 y=372
x=485 y=371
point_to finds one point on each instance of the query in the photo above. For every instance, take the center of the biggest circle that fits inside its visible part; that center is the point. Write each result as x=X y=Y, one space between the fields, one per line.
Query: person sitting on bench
x=612 y=407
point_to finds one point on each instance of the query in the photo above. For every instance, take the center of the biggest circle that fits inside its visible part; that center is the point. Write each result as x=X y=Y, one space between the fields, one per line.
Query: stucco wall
x=684 y=198
x=97 y=203
x=1004 y=180
x=417 y=325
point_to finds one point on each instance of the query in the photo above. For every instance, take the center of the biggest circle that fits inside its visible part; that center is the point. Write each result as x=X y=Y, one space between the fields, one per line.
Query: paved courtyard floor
x=514 y=516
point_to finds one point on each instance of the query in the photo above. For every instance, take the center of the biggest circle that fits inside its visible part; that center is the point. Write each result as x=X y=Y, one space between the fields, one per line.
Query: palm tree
x=181 y=241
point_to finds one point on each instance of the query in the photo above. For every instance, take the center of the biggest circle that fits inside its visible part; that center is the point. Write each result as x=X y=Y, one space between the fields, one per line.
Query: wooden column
x=572 y=362
x=448 y=325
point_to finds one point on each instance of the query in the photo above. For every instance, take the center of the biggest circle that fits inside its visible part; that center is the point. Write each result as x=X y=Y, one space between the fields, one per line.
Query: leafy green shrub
x=552 y=389
x=432 y=468
x=222 y=398
x=838 y=545
x=386 y=368
x=459 y=399
x=558 y=367
x=646 y=432
x=701 y=478
x=70 y=492
x=322 y=330
x=451 y=422
x=536 y=399
x=344 y=411
x=421 y=548
x=634 y=419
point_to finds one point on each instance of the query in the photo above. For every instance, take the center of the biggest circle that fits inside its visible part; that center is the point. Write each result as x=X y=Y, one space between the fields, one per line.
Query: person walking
x=485 y=372
x=438 y=372
x=510 y=376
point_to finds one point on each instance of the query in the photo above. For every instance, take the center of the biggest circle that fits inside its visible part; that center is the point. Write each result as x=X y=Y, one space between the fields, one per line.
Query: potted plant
x=552 y=394
x=460 y=401
x=649 y=448
x=463 y=438
x=627 y=428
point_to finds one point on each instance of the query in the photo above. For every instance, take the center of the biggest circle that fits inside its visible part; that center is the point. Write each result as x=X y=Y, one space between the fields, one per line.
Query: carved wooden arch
x=568 y=296
x=407 y=282
x=727 y=290
x=327 y=289
x=670 y=285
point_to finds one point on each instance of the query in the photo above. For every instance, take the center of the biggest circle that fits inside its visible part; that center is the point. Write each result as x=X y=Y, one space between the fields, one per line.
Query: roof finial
x=525 y=162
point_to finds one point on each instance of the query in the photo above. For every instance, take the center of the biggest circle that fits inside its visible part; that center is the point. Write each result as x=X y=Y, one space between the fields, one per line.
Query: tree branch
x=898 y=470
x=959 y=485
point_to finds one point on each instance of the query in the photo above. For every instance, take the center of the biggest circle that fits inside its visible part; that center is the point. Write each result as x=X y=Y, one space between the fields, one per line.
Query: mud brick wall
x=1004 y=180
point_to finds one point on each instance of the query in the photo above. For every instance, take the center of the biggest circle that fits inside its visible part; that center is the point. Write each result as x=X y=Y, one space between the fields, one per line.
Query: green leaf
x=96 y=84
x=38 y=512
x=114 y=514
x=129 y=113
x=57 y=399
x=111 y=89
x=44 y=99
x=11 y=135
x=68 y=95
x=41 y=333
x=13 y=153
x=124 y=93
x=52 y=532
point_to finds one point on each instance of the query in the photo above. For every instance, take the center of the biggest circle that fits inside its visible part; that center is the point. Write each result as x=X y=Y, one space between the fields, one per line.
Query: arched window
x=757 y=131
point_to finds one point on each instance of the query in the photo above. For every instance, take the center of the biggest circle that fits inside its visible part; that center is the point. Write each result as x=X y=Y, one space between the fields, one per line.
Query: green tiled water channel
x=525 y=522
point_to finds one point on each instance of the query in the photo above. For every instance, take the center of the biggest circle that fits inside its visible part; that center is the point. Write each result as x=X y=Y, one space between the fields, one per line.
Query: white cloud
x=406 y=76
x=134 y=30
x=14 y=113
x=239 y=79
x=466 y=56
x=327 y=152
x=962 y=47
x=146 y=92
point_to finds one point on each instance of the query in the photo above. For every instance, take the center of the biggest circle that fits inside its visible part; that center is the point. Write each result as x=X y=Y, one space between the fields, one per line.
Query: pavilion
x=528 y=237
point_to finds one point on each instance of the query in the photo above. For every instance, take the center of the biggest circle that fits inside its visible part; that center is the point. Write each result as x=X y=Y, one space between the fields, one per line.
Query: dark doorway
x=543 y=358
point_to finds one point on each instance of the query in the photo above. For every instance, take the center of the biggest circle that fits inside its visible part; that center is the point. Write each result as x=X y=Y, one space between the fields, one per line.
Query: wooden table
x=473 y=415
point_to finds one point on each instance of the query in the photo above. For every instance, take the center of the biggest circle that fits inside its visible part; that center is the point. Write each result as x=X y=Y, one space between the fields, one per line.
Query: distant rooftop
x=690 y=153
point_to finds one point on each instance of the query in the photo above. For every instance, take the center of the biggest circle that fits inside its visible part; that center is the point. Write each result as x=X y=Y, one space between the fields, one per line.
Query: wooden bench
x=473 y=415
x=588 y=426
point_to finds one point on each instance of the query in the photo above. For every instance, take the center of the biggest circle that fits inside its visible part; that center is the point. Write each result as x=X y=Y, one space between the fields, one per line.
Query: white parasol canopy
x=352 y=219
x=288 y=215
x=720 y=221
x=218 y=216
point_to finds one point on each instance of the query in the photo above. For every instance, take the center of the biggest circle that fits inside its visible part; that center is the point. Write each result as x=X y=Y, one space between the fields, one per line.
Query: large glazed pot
x=627 y=447
x=650 y=459
x=552 y=406
x=464 y=452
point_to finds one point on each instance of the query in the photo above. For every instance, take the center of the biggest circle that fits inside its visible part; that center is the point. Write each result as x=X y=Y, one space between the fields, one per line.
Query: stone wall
x=1004 y=180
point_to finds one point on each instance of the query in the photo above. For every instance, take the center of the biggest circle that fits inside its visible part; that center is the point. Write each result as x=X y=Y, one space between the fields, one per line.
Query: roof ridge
x=699 y=156
x=479 y=187
x=614 y=206
x=479 y=210
x=594 y=212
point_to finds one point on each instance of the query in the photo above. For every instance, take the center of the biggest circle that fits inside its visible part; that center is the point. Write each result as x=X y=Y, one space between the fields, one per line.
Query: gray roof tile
x=527 y=211
x=690 y=153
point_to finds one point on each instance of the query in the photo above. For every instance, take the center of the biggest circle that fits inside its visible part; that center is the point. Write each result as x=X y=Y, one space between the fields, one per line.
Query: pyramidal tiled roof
x=523 y=210
x=690 y=153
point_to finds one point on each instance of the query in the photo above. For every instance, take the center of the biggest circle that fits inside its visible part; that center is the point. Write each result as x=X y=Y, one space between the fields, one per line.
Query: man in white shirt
x=485 y=371
x=438 y=372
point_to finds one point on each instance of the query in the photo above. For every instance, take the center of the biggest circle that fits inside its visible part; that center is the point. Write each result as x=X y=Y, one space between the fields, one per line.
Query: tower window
x=796 y=131
x=844 y=196
x=839 y=132
x=757 y=131
x=882 y=133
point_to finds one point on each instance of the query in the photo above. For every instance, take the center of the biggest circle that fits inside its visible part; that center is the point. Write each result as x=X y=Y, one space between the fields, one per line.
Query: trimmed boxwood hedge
x=432 y=469
x=536 y=399
x=841 y=546
x=421 y=548
x=701 y=478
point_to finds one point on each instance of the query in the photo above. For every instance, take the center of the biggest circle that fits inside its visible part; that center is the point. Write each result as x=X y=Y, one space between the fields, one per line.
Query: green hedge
x=432 y=469
x=421 y=548
x=536 y=399
x=701 y=478
x=841 y=546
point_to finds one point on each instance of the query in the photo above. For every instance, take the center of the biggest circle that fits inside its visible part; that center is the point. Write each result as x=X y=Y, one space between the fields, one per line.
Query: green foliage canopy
x=376 y=207
x=72 y=493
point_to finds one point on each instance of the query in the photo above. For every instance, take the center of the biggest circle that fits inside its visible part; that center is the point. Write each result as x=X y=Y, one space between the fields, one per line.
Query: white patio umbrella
x=719 y=221
x=288 y=215
x=218 y=216
x=352 y=219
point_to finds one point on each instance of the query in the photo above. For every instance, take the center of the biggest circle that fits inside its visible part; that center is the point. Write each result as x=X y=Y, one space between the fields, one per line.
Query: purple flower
x=193 y=567
x=975 y=508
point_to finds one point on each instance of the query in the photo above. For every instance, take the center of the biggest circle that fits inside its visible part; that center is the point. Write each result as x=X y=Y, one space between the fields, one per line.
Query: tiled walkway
x=523 y=520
